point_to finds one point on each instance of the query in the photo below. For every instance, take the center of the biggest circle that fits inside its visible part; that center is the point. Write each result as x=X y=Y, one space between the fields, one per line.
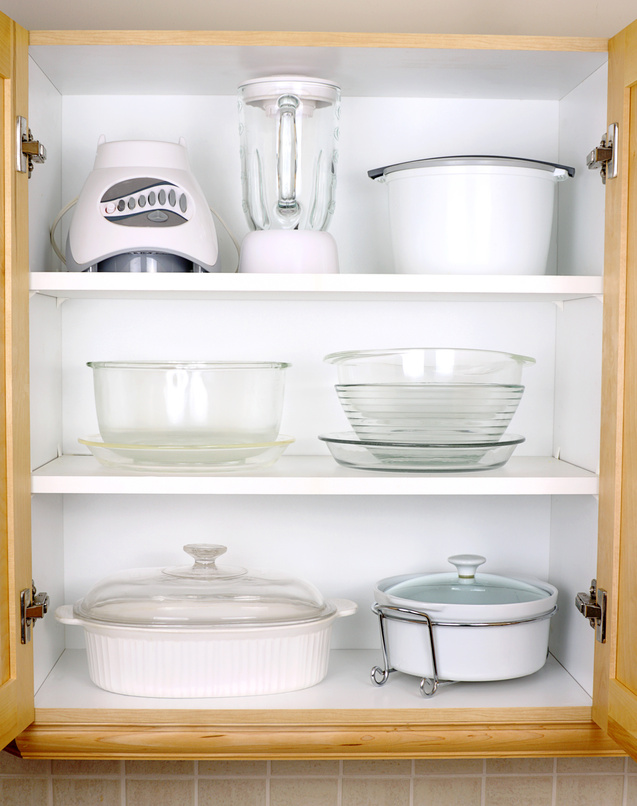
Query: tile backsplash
x=401 y=782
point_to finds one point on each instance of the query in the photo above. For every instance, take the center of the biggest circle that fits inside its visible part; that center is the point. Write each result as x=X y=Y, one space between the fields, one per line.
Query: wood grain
x=16 y=694
x=319 y=40
x=468 y=740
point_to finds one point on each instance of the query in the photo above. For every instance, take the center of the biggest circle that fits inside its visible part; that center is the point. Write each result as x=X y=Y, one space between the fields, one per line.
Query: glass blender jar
x=289 y=138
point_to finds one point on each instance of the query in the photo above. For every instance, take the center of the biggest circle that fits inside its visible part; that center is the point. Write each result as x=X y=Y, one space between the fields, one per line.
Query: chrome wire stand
x=379 y=676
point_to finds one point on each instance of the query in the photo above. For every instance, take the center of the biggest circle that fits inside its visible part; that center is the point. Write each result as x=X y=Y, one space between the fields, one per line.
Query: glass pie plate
x=183 y=458
x=424 y=457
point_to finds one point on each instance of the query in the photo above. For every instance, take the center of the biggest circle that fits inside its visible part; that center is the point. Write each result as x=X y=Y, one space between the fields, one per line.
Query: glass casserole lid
x=202 y=595
x=468 y=596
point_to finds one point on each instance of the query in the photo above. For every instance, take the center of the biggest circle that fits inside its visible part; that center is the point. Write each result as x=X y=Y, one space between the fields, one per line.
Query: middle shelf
x=318 y=475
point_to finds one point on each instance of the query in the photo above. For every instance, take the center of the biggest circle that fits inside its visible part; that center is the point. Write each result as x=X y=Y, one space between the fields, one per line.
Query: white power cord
x=54 y=226
x=72 y=203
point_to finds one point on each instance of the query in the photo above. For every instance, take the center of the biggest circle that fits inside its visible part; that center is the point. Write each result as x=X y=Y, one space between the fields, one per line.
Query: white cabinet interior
x=342 y=529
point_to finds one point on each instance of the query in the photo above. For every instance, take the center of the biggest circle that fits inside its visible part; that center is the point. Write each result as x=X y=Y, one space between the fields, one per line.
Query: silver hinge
x=28 y=150
x=33 y=605
x=592 y=605
x=604 y=158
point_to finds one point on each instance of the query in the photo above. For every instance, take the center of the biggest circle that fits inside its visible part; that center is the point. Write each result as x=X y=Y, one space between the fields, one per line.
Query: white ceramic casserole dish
x=205 y=631
x=471 y=214
x=483 y=626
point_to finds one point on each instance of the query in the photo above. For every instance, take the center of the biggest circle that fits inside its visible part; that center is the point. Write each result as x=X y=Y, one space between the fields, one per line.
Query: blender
x=289 y=137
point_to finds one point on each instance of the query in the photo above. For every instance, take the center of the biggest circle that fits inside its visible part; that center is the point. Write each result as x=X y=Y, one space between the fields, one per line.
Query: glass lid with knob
x=203 y=594
x=465 y=586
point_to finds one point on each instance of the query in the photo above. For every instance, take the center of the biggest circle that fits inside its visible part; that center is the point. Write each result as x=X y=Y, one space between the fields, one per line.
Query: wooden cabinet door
x=16 y=659
x=615 y=695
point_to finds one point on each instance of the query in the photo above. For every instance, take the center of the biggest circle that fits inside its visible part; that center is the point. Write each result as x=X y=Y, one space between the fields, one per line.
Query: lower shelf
x=347 y=687
x=546 y=714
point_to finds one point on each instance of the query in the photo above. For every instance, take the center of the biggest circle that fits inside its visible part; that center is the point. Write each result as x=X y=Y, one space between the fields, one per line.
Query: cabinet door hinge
x=605 y=157
x=33 y=605
x=28 y=150
x=592 y=605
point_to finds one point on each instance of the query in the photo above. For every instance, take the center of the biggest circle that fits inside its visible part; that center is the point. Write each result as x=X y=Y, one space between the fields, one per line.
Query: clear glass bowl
x=428 y=365
x=188 y=403
x=430 y=412
x=349 y=450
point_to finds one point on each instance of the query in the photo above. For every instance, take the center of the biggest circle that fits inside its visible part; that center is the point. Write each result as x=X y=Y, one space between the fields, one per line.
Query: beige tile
x=13 y=765
x=594 y=764
x=160 y=792
x=574 y=790
x=631 y=766
x=160 y=767
x=233 y=768
x=304 y=768
x=397 y=766
x=305 y=791
x=520 y=790
x=24 y=791
x=448 y=766
x=434 y=791
x=631 y=795
x=81 y=791
x=225 y=792
x=380 y=792
x=520 y=766
x=94 y=768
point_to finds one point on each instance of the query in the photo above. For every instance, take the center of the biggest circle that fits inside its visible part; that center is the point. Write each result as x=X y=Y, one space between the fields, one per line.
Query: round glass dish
x=187 y=459
x=201 y=595
x=430 y=412
x=428 y=365
x=350 y=450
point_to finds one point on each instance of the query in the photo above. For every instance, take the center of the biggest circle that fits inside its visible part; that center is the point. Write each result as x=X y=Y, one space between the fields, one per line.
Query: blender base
x=289 y=251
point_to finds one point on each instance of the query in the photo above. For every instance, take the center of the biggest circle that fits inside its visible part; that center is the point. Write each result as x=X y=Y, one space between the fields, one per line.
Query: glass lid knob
x=467 y=564
x=205 y=556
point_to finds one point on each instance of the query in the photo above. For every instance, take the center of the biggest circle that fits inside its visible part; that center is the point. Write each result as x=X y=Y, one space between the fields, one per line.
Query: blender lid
x=201 y=595
x=465 y=160
x=258 y=91
x=465 y=586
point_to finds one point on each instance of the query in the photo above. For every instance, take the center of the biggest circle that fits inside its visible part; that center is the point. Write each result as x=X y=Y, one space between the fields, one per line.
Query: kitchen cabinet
x=403 y=96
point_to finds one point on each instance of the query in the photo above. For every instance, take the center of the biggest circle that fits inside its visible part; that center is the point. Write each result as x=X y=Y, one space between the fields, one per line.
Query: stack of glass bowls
x=164 y=416
x=427 y=409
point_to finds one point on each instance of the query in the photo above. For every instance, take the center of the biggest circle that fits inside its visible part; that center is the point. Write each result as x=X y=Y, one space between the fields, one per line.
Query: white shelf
x=347 y=686
x=317 y=475
x=106 y=285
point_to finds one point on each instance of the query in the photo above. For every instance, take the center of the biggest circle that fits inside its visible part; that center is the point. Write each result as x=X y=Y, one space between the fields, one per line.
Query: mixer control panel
x=146 y=202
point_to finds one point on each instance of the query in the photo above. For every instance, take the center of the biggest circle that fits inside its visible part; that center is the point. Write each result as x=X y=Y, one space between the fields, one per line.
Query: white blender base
x=289 y=251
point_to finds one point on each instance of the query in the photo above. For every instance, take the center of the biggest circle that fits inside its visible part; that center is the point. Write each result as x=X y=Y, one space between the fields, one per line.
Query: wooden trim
x=613 y=379
x=410 y=733
x=304 y=741
x=17 y=694
x=423 y=718
x=319 y=40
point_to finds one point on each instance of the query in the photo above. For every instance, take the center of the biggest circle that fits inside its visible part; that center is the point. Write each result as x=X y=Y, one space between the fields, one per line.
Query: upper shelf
x=68 y=285
x=401 y=65
x=317 y=475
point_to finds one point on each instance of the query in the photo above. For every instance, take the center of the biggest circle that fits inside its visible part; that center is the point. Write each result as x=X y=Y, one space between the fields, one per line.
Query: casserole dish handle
x=344 y=607
x=64 y=613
